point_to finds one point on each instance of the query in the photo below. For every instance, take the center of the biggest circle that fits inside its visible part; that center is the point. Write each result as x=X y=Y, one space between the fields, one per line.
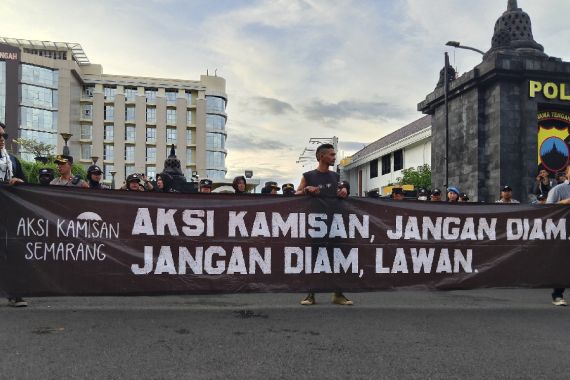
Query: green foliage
x=419 y=177
x=37 y=148
x=31 y=170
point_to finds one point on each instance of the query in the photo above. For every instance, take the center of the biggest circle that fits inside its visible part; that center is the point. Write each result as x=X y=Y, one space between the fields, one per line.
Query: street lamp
x=113 y=172
x=66 y=136
x=94 y=159
x=457 y=44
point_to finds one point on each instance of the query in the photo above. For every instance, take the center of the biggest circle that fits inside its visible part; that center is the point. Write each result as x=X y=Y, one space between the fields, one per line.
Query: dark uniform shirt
x=326 y=182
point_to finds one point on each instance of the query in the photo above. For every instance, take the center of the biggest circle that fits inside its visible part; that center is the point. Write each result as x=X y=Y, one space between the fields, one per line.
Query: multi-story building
x=126 y=123
x=378 y=165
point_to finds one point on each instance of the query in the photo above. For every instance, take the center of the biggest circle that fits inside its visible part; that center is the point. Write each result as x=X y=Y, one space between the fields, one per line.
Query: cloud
x=351 y=109
x=351 y=146
x=272 y=106
x=251 y=142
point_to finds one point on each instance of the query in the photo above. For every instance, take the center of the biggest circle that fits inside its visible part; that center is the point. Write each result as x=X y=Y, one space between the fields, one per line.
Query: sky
x=294 y=69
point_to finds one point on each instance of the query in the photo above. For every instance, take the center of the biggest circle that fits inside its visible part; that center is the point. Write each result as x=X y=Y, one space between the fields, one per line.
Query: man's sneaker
x=309 y=299
x=559 y=301
x=17 y=302
x=340 y=299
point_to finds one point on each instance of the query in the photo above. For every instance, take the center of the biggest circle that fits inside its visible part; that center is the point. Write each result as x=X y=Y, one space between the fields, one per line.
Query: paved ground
x=402 y=334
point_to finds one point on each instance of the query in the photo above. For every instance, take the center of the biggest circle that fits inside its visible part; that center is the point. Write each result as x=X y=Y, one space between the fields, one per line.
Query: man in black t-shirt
x=323 y=182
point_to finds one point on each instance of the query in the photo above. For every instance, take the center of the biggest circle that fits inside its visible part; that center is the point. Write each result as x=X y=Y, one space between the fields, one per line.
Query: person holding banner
x=10 y=172
x=323 y=182
x=560 y=194
x=452 y=195
x=239 y=184
x=206 y=185
x=94 y=174
x=10 y=167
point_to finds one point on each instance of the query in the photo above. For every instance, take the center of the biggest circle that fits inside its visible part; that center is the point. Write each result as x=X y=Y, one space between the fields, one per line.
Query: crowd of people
x=321 y=182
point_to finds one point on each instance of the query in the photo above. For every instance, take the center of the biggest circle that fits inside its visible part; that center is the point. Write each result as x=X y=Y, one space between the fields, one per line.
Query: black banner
x=65 y=241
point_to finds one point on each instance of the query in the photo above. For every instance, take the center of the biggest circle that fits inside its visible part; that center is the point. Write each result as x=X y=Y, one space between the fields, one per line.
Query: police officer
x=288 y=189
x=64 y=165
x=270 y=187
x=423 y=195
x=45 y=176
x=94 y=174
x=133 y=183
x=397 y=194
x=206 y=185
x=436 y=195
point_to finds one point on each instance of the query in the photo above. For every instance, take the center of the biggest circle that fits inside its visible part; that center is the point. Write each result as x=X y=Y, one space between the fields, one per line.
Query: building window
x=86 y=151
x=129 y=169
x=215 y=141
x=151 y=172
x=189 y=117
x=88 y=91
x=189 y=97
x=171 y=135
x=373 y=168
x=130 y=133
x=109 y=113
x=215 y=122
x=151 y=115
x=215 y=104
x=171 y=96
x=188 y=136
x=130 y=114
x=85 y=132
x=215 y=160
x=189 y=156
x=171 y=116
x=386 y=167
x=151 y=154
x=108 y=169
x=34 y=96
x=40 y=76
x=109 y=132
x=150 y=134
x=37 y=119
x=87 y=111
x=129 y=153
x=130 y=94
x=2 y=91
x=108 y=152
x=109 y=93
x=150 y=95
x=398 y=160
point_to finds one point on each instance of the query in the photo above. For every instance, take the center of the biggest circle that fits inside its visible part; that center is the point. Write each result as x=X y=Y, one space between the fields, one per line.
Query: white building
x=378 y=165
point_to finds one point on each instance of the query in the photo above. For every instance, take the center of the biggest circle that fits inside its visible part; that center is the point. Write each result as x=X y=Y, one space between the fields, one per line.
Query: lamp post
x=457 y=44
x=113 y=172
x=94 y=159
x=66 y=136
x=446 y=105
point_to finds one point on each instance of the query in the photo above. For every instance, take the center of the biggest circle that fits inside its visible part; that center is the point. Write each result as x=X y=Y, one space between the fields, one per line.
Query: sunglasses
x=4 y=136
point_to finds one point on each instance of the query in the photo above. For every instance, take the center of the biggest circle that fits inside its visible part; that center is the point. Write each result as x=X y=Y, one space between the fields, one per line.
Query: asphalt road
x=400 y=334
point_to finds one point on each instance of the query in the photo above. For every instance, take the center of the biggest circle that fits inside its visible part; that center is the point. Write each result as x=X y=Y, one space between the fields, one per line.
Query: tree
x=38 y=149
x=419 y=177
x=31 y=170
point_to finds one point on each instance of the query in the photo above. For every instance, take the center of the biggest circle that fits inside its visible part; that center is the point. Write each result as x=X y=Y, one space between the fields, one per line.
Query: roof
x=76 y=49
x=402 y=133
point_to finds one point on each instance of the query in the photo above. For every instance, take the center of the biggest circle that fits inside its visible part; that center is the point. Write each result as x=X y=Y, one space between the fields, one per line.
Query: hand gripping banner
x=65 y=241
